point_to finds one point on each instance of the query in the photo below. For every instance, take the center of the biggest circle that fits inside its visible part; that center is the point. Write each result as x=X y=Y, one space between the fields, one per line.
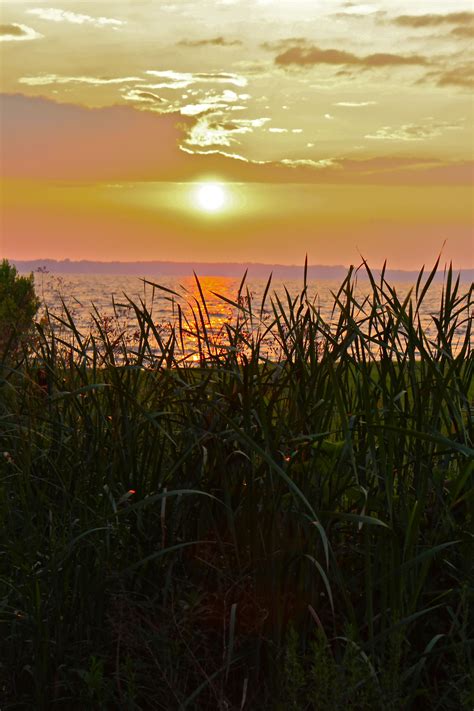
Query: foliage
x=247 y=534
x=18 y=306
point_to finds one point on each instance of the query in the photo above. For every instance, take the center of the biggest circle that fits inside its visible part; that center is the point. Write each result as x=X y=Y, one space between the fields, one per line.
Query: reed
x=285 y=522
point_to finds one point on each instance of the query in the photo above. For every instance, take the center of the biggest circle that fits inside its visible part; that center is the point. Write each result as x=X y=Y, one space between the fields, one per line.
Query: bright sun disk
x=211 y=197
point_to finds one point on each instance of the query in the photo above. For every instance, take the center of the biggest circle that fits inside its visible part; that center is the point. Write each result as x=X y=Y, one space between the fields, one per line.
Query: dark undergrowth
x=249 y=534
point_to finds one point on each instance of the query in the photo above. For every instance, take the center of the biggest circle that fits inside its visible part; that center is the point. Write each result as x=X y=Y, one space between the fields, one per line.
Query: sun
x=211 y=197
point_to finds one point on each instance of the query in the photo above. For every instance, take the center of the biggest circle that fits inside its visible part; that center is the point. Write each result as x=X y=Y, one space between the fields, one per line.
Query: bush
x=18 y=306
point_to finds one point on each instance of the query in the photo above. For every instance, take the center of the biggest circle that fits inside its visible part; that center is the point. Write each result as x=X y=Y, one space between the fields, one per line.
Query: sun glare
x=211 y=197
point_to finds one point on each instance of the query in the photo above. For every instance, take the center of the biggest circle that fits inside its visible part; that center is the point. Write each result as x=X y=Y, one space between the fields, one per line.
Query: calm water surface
x=107 y=298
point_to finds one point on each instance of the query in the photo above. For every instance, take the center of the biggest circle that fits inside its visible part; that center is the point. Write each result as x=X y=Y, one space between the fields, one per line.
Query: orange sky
x=333 y=129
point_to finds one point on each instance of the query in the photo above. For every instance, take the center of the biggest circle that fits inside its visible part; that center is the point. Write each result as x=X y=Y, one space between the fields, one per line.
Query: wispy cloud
x=14 y=32
x=212 y=41
x=286 y=43
x=182 y=80
x=147 y=97
x=198 y=100
x=461 y=76
x=213 y=130
x=463 y=23
x=412 y=131
x=309 y=163
x=355 y=104
x=45 y=79
x=305 y=56
x=53 y=14
x=211 y=101
x=463 y=31
x=360 y=9
x=452 y=18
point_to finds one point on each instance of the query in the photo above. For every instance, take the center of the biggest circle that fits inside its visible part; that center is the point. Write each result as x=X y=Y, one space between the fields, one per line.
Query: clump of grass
x=288 y=521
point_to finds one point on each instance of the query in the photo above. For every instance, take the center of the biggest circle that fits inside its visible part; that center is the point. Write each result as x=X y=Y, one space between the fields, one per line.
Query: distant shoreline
x=229 y=269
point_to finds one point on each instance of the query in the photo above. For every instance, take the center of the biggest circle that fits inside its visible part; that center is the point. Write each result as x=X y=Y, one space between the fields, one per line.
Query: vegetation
x=293 y=533
x=18 y=307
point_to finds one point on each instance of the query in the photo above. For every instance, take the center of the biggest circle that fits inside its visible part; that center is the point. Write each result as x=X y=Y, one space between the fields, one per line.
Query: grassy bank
x=275 y=534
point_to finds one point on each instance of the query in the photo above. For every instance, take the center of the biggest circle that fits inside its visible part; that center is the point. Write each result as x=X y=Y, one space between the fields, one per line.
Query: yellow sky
x=334 y=128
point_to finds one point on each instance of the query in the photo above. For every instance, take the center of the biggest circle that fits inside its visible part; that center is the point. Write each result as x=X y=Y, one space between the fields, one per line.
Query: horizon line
x=218 y=263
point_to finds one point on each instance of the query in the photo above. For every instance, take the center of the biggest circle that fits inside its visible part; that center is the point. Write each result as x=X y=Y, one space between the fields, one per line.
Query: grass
x=293 y=532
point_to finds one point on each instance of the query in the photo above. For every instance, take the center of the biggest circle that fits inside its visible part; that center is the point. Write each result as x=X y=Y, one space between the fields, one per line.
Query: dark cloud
x=463 y=31
x=13 y=31
x=462 y=76
x=311 y=55
x=212 y=41
x=452 y=18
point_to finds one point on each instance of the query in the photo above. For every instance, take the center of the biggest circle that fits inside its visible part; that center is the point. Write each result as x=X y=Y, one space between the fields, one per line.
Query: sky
x=238 y=130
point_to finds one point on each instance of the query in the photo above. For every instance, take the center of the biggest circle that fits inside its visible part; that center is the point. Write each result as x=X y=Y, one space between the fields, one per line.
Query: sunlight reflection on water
x=110 y=296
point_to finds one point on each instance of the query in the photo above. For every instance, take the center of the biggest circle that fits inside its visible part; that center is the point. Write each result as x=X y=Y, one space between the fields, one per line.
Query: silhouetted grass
x=290 y=533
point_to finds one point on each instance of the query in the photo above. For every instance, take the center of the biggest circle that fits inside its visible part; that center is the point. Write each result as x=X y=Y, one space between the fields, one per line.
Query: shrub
x=18 y=306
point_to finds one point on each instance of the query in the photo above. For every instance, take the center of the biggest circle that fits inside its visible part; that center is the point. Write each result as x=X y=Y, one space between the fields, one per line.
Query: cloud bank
x=452 y=18
x=45 y=140
x=305 y=56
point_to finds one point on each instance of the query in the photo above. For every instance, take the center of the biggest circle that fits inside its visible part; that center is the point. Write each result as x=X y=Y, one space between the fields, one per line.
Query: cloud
x=138 y=90
x=181 y=80
x=144 y=97
x=212 y=41
x=360 y=9
x=331 y=171
x=213 y=130
x=355 y=104
x=55 y=15
x=42 y=140
x=463 y=21
x=311 y=55
x=452 y=18
x=461 y=76
x=211 y=101
x=411 y=131
x=14 y=32
x=45 y=79
x=280 y=45
x=309 y=163
x=463 y=31
x=360 y=14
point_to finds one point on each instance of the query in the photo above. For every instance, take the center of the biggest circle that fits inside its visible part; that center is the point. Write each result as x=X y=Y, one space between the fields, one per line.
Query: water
x=105 y=300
